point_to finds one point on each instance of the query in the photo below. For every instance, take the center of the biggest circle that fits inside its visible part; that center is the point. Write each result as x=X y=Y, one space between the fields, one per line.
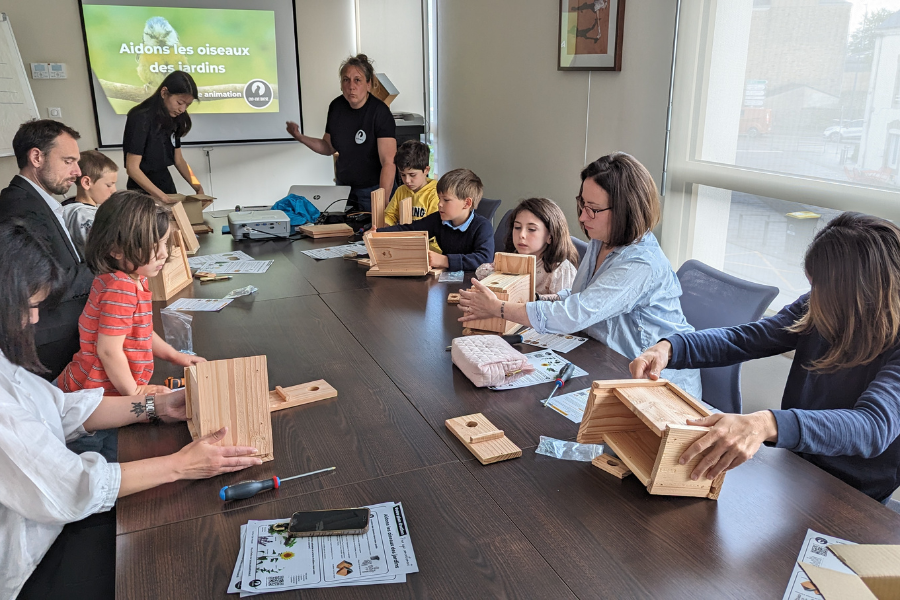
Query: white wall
x=510 y=116
x=391 y=35
x=50 y=31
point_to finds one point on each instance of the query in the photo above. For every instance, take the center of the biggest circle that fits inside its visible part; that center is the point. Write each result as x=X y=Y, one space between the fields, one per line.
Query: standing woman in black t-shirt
x=152 y=140
x=360 y=128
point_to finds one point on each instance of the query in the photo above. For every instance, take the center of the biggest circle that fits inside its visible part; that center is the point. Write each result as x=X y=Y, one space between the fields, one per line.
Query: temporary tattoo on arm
x=138 y=409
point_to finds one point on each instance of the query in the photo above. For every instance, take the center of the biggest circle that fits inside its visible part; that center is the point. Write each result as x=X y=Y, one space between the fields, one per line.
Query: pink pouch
x=488 y=361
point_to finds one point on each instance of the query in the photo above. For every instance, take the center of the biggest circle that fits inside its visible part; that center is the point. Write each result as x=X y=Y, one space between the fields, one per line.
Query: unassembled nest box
x=175 y=274
x=643 y=422
x=512 y=281
x=232 y=393
x=183 y=224
x=193 y=205
x=393 y=253
x=383 y=89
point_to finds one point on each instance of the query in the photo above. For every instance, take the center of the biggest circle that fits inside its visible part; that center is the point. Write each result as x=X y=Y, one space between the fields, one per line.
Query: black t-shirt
x=354 y=134
x=156 y=147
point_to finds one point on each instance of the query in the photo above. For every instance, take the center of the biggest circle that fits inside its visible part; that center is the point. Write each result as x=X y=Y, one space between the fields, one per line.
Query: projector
x=259 y=224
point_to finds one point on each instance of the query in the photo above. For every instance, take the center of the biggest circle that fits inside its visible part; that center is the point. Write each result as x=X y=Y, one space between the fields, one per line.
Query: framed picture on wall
x=590 y=35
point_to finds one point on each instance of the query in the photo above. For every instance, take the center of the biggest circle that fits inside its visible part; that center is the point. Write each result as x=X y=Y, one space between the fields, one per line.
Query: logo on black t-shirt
x=360 y=137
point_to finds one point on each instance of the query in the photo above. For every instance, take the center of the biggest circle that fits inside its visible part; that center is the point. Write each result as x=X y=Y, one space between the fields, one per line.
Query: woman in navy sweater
x=841 y=404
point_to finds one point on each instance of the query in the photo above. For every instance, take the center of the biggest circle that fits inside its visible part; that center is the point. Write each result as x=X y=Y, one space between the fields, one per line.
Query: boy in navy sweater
x=841 y=404
x=466 y=238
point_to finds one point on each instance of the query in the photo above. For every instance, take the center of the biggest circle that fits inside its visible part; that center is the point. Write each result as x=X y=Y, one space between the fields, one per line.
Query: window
x=791 y=109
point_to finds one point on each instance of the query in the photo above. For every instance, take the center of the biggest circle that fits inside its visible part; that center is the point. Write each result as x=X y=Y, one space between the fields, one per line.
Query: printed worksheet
x=547 y=365
x=337 y=251
x=271 y=561
x=197 y=262
x=244 y=267
x=199 y=304
x=814 y=552
x=553 y=341
x=570 y=405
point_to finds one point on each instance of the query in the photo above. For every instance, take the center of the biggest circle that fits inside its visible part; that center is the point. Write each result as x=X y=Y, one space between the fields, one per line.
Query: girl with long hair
x=841 y=404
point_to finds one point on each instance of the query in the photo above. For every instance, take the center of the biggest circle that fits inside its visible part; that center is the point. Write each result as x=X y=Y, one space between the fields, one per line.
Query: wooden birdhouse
x=183 y=224
x=232 y=393
x=397 y=253
x=512 y=281
x=643 y=422
x=175 y=274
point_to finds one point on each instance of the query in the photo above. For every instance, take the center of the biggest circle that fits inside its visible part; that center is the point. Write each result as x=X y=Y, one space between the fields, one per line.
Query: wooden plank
x=480 y=436
x=611 y=465
x=657 y=406
x=618 y=383
x=637 y=449
x=690 y=400
x=519 y=264
x=670 y=478
x=604 y=412
x=327 y=231
x=192 y=242
x=234 y=393
x=378 y=207
x=406 y=211
x=175 y=274
x=281 y=398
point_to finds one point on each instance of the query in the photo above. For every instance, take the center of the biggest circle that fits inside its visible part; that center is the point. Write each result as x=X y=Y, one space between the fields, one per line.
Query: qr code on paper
x=275 y=581
x=815 y=561
x=816 y=549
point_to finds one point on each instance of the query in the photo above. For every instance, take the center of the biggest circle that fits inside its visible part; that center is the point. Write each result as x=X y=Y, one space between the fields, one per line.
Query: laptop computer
x=327 y=198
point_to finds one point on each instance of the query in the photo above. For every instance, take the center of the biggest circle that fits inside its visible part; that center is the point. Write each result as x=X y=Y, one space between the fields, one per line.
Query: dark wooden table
x=533 y=527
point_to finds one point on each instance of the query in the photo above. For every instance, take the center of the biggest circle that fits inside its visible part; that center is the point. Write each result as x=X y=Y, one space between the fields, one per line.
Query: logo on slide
x=258 y=93
x=360 y=136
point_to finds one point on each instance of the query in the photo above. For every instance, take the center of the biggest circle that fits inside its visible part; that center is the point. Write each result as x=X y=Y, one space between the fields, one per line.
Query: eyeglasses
x=594 y=211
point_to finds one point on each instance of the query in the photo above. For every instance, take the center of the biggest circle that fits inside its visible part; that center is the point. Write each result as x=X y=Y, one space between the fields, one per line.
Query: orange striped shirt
x=117 y=305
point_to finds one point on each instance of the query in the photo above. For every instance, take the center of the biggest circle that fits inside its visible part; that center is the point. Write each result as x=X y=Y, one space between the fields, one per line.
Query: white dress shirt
x=55 y=206
x=43 y=485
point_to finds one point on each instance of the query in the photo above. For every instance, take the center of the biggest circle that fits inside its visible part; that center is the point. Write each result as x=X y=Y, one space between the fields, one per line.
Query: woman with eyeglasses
x=625 y=293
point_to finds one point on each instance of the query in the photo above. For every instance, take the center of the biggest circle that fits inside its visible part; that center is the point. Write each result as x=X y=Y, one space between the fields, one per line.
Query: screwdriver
x=248 y=489
x=561 y=379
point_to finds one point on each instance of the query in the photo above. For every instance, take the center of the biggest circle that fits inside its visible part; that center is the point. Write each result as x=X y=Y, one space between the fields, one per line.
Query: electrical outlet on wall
x=54 y=113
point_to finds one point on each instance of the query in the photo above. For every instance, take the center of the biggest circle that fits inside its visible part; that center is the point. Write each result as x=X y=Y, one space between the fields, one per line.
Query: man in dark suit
x=47 y=155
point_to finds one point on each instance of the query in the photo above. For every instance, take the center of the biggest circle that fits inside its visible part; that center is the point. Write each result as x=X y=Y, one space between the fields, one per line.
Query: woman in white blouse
x=44 y=485
x=625 y=293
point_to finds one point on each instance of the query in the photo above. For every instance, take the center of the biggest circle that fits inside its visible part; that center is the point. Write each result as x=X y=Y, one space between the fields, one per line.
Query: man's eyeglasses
x=593 y=211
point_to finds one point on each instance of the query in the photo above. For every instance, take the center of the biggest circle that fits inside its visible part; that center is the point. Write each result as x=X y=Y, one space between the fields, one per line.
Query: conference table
x=530 y=527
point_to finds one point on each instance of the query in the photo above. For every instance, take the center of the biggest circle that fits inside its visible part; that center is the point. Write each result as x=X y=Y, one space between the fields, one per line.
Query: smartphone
x=344 y=521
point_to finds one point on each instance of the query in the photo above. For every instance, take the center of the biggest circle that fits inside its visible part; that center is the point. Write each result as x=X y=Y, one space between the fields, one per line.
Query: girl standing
x=152 y=140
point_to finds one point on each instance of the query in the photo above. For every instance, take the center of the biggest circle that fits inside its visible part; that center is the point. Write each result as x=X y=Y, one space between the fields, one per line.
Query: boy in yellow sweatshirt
x=411 y=160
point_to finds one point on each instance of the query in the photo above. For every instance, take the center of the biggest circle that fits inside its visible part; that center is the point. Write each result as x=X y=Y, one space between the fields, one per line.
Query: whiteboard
x=17 y=103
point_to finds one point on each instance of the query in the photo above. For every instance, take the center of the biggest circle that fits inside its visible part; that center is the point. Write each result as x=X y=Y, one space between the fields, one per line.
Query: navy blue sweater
x=465 y=250
x=845 y=422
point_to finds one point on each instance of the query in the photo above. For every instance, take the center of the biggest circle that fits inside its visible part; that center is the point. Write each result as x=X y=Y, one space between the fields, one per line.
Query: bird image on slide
x=158 y=32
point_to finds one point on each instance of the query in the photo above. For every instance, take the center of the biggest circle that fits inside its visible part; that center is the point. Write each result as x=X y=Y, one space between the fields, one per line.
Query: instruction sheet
x=199 y=304
x=337 y=251
x=547 y=365
x=197 y=262
x=244 y=267
x=814 y=552
x=570 y=405
x=553 y=341
x=269 y=561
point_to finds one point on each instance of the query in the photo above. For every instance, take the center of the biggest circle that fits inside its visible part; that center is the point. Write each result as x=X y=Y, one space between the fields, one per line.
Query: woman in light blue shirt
x=625 y=294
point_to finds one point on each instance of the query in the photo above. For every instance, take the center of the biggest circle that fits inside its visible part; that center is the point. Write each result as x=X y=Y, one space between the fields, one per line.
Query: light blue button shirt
x=462 y=227
x=629 y=303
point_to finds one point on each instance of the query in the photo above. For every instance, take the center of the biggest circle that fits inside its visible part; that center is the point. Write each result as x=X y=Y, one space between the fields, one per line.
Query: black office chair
x=709 y=299
x=500 y=232
x=581 y=246
x=487 y=208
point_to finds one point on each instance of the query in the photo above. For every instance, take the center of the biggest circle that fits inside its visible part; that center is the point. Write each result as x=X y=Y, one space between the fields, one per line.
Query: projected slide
x=230 y=54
